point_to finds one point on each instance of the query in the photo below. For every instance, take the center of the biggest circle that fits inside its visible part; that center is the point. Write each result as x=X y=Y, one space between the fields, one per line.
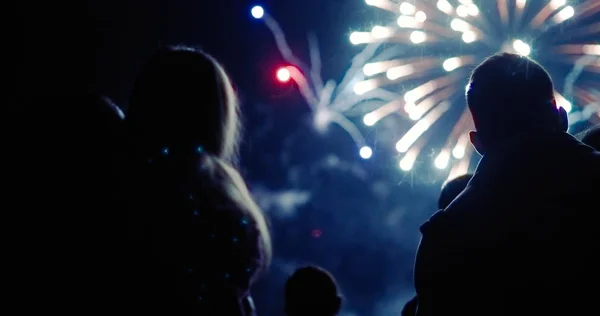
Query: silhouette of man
x=450 y=190
x=591 y=137
x=521 y=238
x=311 y=291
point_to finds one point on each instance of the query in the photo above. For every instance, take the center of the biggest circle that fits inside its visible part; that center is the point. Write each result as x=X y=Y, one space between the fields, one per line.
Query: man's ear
x=476 y=142
x=563 y=119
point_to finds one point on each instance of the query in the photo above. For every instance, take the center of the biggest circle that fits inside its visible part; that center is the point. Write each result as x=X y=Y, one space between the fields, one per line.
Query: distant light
x=472 y=9
x=555 y=4
x=372 y=69
x=444 y=6
x=360 y=89
x=591 y=49
x=458 y=152
x=354 y=38
x=368 y=70
x=283 y=75
x=521 y=48
x=321 y=119
x=407 y=8
x=460 y=148
x=521 y=4
x=375 y=2
x=370 y=119
x=469 y=37
x=366 y=152
x=451 y=63
x=462 y=11
x=381 y=32
x=316 y=233
x=359 y=37
x=406 y=164
x=459 y=25
x=441 y=162
x=399 y=71
x=415 y=115
x=420 y=16
x=564 y=14
x=410 y=96
x=412 y=135
x=257 y=12
x=418 y=37
x=406 y=21
x=363 y=87
x=409 y=107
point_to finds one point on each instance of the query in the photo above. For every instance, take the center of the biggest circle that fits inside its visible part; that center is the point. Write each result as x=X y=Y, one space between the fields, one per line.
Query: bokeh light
x=283 y=74
x=366 y=152
x=316 y=233
x=418 y=37
x=407 y=8
x=257 y=12
x=521 y=47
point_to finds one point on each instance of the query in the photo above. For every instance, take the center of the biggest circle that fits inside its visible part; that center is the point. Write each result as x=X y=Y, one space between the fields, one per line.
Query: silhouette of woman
x=198 y=240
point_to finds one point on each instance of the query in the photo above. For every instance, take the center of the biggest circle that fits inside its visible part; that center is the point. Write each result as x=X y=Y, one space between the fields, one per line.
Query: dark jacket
x=521 y=239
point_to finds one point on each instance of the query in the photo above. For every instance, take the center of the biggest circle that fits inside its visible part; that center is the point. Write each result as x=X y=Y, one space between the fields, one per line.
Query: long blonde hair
x=183 y=97
x=231 y=185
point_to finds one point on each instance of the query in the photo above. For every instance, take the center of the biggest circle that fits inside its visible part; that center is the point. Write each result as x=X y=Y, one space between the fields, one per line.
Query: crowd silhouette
x=311 y=291
x=169 y=223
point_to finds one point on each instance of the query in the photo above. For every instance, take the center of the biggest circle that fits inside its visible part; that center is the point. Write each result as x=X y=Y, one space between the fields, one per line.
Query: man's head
x=511 y=95
x=311 y=291
x=451 y=189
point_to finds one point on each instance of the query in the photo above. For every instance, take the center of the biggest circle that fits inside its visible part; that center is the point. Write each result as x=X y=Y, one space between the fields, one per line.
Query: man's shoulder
x=435 y=223
x=581 y=154
x=594 y=163
x=593 y=158
x=452 y=217
x=583 y=169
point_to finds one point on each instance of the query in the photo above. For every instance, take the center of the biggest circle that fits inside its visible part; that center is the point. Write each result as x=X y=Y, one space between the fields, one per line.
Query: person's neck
x=523 y=143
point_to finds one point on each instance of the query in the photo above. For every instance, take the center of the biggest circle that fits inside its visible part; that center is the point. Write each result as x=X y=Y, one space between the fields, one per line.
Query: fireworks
x=417 y=66
x=425 y=32
x=329 y=101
